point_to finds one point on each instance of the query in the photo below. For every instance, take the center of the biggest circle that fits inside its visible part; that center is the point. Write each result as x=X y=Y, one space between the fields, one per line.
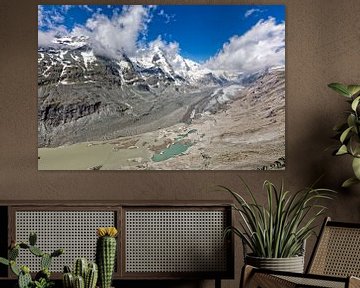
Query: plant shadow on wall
x=276 y=232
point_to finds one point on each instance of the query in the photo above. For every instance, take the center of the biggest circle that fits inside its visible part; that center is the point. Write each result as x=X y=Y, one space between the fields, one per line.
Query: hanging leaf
x=354 y=145
x=340 y=88
x=353 y=89
x=349 y=182
x=356 y=167
x=351 y=120
x=342 y=150
x=345 y=134
x=355 y=103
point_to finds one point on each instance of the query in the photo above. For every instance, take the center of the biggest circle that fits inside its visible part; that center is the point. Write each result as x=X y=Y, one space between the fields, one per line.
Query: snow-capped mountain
x=73 y=55
x=83 y=96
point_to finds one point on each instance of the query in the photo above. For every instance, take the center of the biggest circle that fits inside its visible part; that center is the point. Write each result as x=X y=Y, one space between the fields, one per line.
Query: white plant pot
x=291 y=264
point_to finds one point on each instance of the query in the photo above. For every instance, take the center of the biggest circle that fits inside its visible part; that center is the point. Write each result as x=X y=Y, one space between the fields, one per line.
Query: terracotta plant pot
x=291 y=264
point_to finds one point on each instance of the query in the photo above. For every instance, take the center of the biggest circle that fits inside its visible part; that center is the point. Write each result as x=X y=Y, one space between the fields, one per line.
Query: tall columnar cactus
x=23 y=273
x=84 y=276
x=106 y=254
x=79 y=282
x=91 y=276
x=80 y=268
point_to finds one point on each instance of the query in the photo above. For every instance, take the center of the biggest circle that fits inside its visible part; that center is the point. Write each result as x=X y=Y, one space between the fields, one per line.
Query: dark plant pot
x=291 y=264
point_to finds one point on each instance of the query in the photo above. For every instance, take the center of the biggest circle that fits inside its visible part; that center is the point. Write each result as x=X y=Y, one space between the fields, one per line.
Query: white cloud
x=261 y=47
x=249 y=12
x=40 y=16
x=171 y=49
x=168 y=17
x=112 y=36
x=45 y=38
x=49 y=25
x=87 y=8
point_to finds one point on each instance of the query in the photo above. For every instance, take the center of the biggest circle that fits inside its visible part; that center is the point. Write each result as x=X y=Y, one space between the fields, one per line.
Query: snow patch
x=88 y=57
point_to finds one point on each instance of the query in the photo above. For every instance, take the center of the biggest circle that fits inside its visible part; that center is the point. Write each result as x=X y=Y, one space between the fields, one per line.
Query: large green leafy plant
x=279 y=229
x=349 y=131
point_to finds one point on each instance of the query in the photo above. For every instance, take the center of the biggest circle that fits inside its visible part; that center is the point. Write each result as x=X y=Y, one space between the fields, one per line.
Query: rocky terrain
x=154 y=111
x=84 y=97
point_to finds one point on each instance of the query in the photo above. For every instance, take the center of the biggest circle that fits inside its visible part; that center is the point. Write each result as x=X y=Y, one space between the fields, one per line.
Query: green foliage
x=42 y=283
x=105 y=259
x=42 y=278
x=85 y=275
x=348 y=132
x=279 y=229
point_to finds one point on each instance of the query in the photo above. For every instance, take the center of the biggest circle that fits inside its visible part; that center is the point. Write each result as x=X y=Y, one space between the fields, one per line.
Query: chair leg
x=246 y=274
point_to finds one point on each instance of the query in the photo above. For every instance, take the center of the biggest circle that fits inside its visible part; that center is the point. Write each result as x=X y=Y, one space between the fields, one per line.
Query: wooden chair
x=335 y=262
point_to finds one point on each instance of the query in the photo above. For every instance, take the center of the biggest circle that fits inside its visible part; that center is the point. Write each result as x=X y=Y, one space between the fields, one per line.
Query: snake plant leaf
x=349 y=182
x=342 y=150
x=345 y=134
x=356 y=167
x=340 y=88
x=353 y=89
x=355 y=103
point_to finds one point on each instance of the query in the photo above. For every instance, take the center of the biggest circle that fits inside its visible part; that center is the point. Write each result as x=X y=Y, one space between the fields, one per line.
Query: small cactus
x=90 y=272
x=24 y=278
x=13 y=253
x=79 y=282
x=45 y=261
x=32 y=239
x=106 y=254
x=68 y=280
x=80 y=268
x=91 y=276
x=36 y=251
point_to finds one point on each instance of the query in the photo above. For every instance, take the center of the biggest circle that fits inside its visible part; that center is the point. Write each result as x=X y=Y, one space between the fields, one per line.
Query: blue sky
x=200 y=31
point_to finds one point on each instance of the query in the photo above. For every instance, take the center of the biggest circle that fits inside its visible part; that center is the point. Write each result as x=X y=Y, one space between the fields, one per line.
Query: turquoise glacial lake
x=172 y=151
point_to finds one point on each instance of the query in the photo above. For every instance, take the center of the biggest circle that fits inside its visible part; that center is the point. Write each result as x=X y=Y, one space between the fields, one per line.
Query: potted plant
x=348 y=133
x=276 y=233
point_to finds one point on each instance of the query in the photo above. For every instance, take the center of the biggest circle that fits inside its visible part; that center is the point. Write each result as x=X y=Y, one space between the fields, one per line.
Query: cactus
x=105 y=255
x=91 y=276
x=45 y=261
x=14 y=268
x=80 y=267
x=68 y=280
x=36 y=251
x=13 y=253
x=24 y=280
x=79 y=282
x=32 y=239
x=90 y=272
x=42 y=278
x=4 y=261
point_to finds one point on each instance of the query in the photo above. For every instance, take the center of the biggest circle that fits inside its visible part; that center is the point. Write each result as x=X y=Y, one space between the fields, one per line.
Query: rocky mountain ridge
x=83 y=96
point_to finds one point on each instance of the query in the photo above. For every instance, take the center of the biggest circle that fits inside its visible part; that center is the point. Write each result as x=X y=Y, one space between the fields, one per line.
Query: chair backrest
x=337 y=251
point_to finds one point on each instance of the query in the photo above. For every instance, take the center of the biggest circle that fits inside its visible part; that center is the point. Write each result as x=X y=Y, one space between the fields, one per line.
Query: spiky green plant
x=84 y=273
x=106 y=254
x=42 y=278
x=279 y=229
x=348 y=132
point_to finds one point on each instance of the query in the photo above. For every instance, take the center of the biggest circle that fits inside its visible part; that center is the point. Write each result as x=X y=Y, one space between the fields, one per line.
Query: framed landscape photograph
x=161 y=87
